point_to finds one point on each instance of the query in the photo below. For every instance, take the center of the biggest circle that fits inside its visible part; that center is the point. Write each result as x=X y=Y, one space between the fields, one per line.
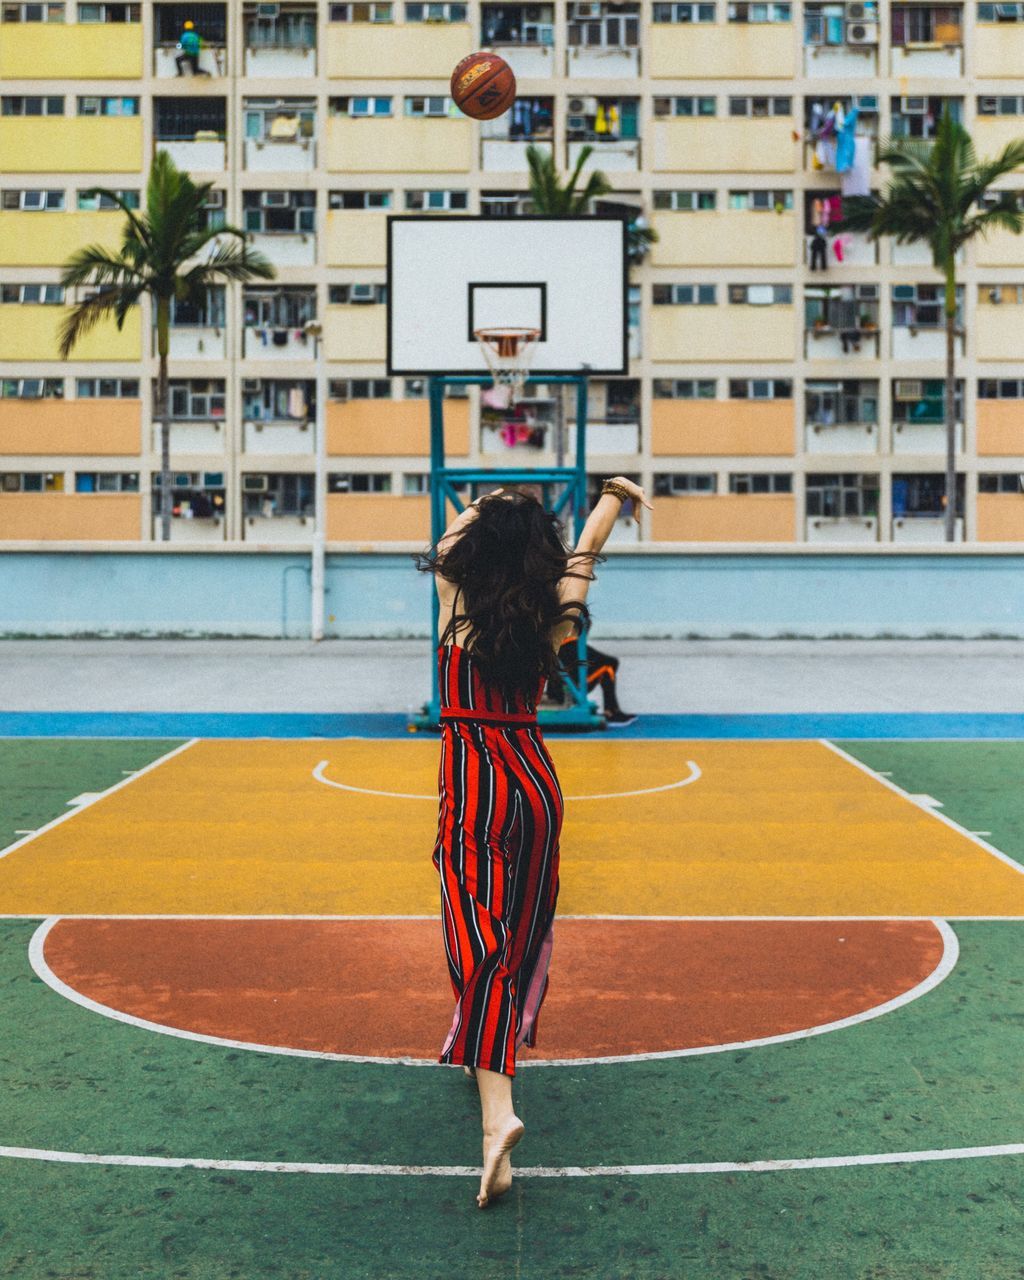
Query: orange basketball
x=483 y=86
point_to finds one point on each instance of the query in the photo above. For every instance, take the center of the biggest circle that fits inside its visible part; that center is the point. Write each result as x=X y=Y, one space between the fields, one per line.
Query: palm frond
x=97 y=265
x=230 y=261
x=135 y=227
x=85 y=315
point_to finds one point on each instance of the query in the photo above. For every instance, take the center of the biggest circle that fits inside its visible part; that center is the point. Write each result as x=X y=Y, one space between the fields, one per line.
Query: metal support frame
x=563 y=490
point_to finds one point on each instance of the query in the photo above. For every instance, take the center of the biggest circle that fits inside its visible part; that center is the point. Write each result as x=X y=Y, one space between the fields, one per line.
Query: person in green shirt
x=190 y=44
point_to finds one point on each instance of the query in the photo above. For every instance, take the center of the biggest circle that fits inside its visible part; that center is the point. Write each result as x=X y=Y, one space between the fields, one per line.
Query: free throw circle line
x=947 y=962
x=536 y=1171
x=692 y=776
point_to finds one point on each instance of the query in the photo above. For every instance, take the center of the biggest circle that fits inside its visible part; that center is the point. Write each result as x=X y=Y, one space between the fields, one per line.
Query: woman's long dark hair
x=506 y=564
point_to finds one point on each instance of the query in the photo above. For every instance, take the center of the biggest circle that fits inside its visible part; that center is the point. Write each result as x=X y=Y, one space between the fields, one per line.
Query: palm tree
x=935 y=196
x=548 y=194
x=159 y=256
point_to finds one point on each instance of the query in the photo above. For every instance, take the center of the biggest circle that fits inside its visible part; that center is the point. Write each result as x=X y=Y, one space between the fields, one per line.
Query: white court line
x=693 y=775
x=939 y=817
x=947 y=961
x=86 y=801
x=155 y=915
x=536 y=1171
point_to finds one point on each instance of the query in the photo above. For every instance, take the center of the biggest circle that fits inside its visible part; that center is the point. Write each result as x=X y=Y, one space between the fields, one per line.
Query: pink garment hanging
x=837 y=248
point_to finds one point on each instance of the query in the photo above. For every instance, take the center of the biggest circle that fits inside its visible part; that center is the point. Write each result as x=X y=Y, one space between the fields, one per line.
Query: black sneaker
x=618 y=719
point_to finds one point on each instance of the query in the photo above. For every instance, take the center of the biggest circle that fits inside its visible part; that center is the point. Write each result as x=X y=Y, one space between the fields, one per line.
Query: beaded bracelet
x=616 y=490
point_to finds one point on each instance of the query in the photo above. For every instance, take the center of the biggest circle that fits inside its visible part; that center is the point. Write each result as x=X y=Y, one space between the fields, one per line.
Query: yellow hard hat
x=189 y=25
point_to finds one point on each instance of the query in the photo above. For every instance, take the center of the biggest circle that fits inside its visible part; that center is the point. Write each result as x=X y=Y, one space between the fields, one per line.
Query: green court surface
x=939 y=1073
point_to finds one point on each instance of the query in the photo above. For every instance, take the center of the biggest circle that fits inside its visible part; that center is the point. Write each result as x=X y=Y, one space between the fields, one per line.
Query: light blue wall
x=60 y=593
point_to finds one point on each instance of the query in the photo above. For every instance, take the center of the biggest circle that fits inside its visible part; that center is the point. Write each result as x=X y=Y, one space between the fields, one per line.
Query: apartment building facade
x=779 y=390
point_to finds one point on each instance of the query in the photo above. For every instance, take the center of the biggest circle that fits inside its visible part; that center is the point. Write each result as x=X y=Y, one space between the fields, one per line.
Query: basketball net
x=509 y=353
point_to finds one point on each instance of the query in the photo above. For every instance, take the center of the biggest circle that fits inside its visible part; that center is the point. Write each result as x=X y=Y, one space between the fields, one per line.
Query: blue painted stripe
x=257 y=724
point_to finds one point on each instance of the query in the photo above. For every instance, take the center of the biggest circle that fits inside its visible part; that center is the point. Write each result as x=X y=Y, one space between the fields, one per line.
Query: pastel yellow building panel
x=720 y=51
x=992 y=133
x=999 y=327
x=726 y=237
x=378 y=51
x=998 y=50
x=81 y=144
x=49 y=239
x=1000 y=428
x=356 y=332
x=999 y=249
x=60 y=51
x=1000 y=517
x=399 y=145
x=725 y=517
x=692 y=333
x=49 y=427
x=28 y=332
x=357 y=238
x=71 y=517
x=723 y=428
x=378 y=517
x=393 y=428
x=714 y=145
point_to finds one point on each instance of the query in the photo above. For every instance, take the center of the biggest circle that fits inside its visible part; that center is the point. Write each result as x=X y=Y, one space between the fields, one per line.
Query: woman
x=510 y=592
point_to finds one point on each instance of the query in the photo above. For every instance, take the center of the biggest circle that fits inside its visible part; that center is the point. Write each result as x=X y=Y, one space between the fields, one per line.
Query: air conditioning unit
x=33 y=199
x=215 y=199
x=268 y=11
x=865 y=102
x=254 y=484
x=362 y=293
x=907 y=389
x=862 y=33
x=250 y=384
x=988 y=106
x=582 y=106
x=858 y=11
x=585 y=10
x=913 y=106
x=867 y=291
x=275 y=199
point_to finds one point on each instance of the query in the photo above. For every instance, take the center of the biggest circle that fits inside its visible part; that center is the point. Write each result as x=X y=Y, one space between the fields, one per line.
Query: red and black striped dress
x=497 y=856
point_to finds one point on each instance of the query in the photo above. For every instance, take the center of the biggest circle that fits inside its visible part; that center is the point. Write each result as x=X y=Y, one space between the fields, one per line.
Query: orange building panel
x=71 y=517
x=726 y=517
x=95 y=427
x=1000 y=428
x=393 y=428
x=1000 y=517
x=378 y=517
x=723 y=428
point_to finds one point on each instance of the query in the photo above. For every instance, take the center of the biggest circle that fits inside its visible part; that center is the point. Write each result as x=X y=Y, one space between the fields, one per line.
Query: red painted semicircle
x=380 y=988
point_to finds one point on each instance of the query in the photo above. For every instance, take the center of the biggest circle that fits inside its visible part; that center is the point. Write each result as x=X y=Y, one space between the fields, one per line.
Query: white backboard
x=449 y=275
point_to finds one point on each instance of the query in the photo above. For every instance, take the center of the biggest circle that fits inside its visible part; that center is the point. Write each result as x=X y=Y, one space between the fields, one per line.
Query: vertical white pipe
x=318 y=550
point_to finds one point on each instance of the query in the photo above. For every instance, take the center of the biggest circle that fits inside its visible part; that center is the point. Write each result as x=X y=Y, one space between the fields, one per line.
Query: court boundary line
x=694 y=775
x=155 y=915
x=946 y=964
x=97 y=796
x=929 y=809
x=535 y=1171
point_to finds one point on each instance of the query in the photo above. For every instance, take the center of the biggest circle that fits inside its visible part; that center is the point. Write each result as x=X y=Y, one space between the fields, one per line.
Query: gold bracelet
x=616 y=490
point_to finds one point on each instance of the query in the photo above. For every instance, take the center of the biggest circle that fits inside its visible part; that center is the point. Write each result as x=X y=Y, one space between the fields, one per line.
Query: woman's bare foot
x=497 y=1175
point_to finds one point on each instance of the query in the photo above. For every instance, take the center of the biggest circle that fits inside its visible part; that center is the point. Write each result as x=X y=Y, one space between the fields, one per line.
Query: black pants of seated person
x=602 y=669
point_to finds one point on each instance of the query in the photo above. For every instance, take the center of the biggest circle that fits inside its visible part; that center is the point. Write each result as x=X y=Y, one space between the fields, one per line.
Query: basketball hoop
x=509 y=353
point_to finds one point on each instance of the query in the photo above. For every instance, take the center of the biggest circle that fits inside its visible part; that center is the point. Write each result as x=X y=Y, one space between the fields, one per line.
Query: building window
x=431 y=200
x=760 y=389
x=615 y=27
x=278 y=400
x=279 y=27
x=760 y=12
x=107 y=388
x=683 y=13
x=359 y=389
x=1000 y=482
x=848 y=402
x=1000 y=389
x=341 y=294
x=279 y=308
x=279 y=212
x=31 y=388
x=360 y=482
x=112 y=106
x=180 y=119
x=35 y=200
x=32 y=482
x=685 y=388
x=760 y=107
x=760 y=482
x=685 y=106
x=920 y=306
x=923 y=400
x=835 y=497
x=362 y=106
x=432 y=105
x=374 y=12
x=684 y=295
x=360 y=200
x=49 y=294
x=761 y=295
x=210 y=20
x=1001 y=12
x=923 y=495
x=91 y=199
x=667 y=485
x=925 y=24
x=106 y=482
x=195 y=399
x=31 y=105
x=272 y=496
x=416 y=482
x=761 y=201
x=918 y=116
x=110 y=13
x=436 y=12
x=271 y=120
x=33 y=13
x=686 y=201
x=207 y=314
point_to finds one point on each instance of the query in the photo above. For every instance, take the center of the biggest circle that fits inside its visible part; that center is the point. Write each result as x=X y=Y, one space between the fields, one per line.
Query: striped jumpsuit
x=497 y=856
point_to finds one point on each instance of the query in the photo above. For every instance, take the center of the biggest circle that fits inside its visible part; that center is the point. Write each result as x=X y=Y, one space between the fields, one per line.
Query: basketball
x=483 y=86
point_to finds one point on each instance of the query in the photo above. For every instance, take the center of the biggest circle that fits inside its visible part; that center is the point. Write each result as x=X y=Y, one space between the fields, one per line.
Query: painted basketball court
x=785 y=992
